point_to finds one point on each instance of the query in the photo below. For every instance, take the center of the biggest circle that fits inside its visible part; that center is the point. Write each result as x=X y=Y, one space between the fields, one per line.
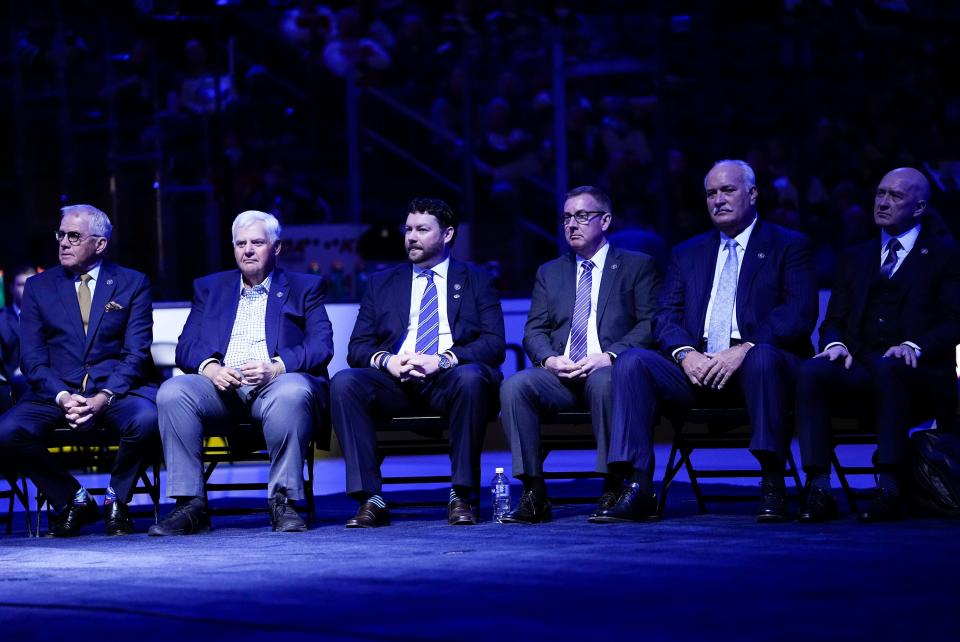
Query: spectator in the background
x=352 y=50
x=309 y=25
x=12 y=382
x=199 y=91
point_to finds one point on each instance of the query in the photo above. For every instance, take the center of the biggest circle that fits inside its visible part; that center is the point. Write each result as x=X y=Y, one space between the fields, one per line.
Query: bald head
x=901 y=200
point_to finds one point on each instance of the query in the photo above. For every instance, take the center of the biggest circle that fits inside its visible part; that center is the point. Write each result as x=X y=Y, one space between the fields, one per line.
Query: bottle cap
x=498 y=470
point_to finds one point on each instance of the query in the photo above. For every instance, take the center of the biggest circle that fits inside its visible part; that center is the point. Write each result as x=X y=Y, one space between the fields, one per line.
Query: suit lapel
x=226 y=299
x=754 y=259
x=568 y=287
x=71 y=306
x=102 y=294
x=611 y=272
x=916 y=262
x=398 y=296
x=279 y=291
x=706 y=265
x=456 y=288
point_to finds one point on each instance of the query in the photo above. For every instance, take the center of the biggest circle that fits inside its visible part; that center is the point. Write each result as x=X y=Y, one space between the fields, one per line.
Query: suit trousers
x=528 y=393
x=644 y=381
x=888 y=391
x=25 y=428
x=286 y=409
x=360 y=396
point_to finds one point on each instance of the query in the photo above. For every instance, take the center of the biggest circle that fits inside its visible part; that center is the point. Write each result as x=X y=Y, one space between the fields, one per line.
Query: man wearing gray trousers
x=256 y=346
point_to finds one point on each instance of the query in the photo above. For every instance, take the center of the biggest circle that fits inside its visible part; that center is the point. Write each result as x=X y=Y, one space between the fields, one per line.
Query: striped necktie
x=581 y=313
x=891 y=261
x=428 y=321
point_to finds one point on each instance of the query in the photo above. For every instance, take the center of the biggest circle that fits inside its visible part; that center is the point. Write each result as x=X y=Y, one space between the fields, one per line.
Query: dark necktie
x=886 y=268
x=581 y=313
x=428 y=321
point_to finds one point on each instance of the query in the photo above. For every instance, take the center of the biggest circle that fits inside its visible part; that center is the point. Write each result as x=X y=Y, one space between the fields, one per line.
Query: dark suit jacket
x=55 y=354
x=776 y=291
x=625 y=305
x=473 y=311
x=930 y=308
x=296 y=325
x=9 y=343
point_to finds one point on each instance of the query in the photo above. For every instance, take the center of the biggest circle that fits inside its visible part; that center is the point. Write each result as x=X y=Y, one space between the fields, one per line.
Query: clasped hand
x=714 y=369
x=252 y=373
x=411 y=366
x=79 y=411
x=565 y=368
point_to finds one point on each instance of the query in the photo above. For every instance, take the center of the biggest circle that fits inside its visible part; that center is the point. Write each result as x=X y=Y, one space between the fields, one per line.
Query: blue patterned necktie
x=891 y=261
x=428 y=321
x=721 y=316
x=581 y=313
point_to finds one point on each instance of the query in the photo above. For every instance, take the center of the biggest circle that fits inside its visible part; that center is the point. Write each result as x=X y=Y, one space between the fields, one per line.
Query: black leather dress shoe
x=773 y=504
x=283 y=516
x=817 y=506
x=74 y=517
x=369 y=516
x=187 y=518
x=117 y=518
x=607 y=501
x=884 y=507
x=532 y=510
x=632 y=505
x=460 y=513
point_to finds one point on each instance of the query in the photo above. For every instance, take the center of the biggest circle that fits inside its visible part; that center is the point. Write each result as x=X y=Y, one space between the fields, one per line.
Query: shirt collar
x=440 y=269
x=265 y=283
x=907 y=239
x=599 y=259
x=743 y=237
x=94 y=272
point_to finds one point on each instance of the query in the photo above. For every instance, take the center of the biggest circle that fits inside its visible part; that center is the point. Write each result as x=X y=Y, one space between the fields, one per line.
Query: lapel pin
x=924 y=250
x=456 y=296
x=614 y=266
x=279 y=294
x=109 y=281
x=761 y=255
x=457 y=286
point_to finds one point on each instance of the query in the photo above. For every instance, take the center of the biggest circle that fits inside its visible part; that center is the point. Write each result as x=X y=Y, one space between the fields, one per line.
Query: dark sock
x=643 y=480
x=612 y=483
x=771 y=469
x=535 y=484
x=461 y=493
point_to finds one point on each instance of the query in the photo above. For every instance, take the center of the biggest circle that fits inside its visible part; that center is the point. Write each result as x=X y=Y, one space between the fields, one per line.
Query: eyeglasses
x=73 y=238
x=581 y=216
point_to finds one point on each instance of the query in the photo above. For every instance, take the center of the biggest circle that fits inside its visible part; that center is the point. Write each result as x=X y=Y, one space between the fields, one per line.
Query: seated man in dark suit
x=887 y=345
x=13 y=385
x=256 y=346
x=86 y=327
x=736 y=311
x=428 y=338
x=587 y=307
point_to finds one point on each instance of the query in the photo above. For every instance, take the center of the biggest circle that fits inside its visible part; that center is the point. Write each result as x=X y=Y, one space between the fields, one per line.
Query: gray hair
x=248 y=218
x=99 y=222
x=749 y=177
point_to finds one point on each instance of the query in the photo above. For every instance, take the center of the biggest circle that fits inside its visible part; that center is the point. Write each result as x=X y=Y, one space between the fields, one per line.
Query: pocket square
x=113 y=305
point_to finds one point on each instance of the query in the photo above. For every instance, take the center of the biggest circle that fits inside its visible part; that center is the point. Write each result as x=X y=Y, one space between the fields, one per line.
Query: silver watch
x=445 y=363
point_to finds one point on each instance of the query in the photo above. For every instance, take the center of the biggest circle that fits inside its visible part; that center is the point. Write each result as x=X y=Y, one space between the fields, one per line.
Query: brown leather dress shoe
x=460 y=513
x=369 y=515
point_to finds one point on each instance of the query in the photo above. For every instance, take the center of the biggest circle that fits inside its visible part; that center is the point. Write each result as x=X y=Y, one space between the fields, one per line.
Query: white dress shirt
x=599 y=260
x=742 y=239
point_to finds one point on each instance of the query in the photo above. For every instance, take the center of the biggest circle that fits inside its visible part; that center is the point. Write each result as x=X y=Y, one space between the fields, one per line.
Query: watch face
x=445 y=362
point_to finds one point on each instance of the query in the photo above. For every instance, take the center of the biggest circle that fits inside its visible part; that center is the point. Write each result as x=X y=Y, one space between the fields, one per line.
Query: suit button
x=881 y=320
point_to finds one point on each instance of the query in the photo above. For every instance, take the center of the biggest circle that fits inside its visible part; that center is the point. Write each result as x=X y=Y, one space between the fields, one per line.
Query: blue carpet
x=718 y=576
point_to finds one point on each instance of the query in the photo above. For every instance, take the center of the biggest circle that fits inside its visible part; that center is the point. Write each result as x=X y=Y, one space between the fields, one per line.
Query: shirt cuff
x=375 y=359
x=681 y=349
x=453 y=358
x=283 y=366
x=206 y=363
x=913 y=345
x=836 y=343
x=60 y=394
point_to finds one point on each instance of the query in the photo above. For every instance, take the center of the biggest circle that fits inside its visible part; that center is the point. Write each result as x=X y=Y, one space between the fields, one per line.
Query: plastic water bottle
x=500 y=495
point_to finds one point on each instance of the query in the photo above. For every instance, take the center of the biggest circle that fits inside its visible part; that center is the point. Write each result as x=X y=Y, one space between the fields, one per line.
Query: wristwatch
x=445 y=363
x=683 y=355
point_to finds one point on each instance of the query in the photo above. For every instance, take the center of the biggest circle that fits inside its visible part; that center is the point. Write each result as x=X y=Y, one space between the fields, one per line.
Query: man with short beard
x=428 y=338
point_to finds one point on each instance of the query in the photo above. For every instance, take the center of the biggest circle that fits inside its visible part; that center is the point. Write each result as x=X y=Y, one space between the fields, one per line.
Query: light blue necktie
x=581 y=313
x=721 y=315
x=428 y=321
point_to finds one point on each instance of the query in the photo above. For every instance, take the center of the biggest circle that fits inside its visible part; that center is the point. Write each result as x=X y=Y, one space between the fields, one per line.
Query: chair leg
x=693 y=474
x=308 y=490
x=842 y=476
x=794 y=471
x=673 y=467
